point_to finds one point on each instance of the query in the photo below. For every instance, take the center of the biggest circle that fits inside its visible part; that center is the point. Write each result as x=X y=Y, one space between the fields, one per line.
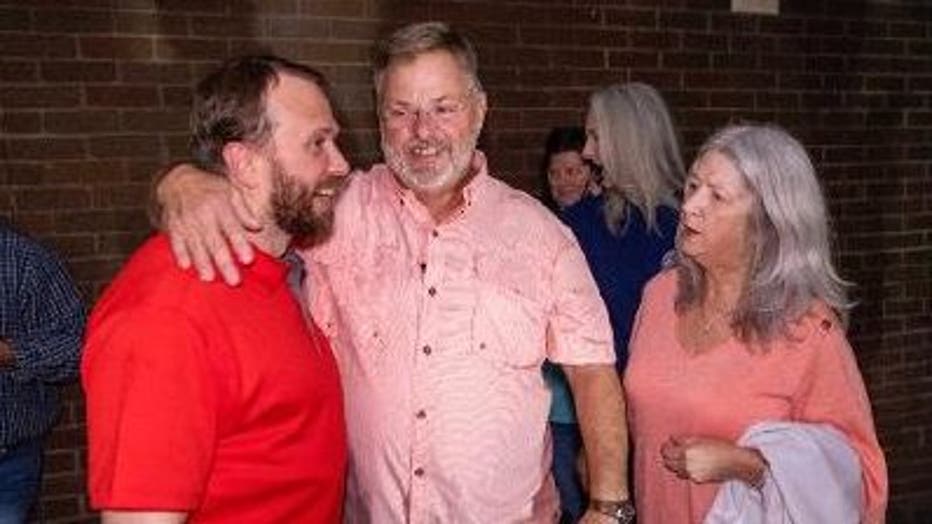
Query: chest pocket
x=511 y=315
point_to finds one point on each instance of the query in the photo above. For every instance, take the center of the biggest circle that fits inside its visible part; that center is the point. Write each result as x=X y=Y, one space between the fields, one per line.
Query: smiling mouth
x=690 y=230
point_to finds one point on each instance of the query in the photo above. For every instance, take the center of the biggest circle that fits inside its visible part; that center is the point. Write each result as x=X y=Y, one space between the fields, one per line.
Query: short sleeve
x=833 y=391
x=152 y=411
x=578 y=330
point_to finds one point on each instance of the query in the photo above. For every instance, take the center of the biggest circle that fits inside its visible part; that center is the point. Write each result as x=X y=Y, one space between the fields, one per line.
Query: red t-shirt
x=214 y=400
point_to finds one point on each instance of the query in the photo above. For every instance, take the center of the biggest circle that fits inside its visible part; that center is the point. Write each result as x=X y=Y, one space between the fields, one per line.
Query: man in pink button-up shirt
x=443 y=290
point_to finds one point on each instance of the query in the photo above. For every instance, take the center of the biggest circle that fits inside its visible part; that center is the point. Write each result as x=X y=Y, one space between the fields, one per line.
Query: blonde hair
x=639 y=152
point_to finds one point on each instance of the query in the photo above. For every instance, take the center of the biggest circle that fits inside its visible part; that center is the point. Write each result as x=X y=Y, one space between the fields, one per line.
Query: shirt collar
x=266 y=271
x=472 y=192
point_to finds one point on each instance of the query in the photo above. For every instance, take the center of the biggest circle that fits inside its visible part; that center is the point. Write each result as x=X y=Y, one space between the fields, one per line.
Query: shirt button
x=426 y=350
x=419 y=472
x=435 y=233
x=421 y=414
x=432 y=291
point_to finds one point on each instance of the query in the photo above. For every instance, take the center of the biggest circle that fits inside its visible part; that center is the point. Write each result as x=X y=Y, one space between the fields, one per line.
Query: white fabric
x=814 y=477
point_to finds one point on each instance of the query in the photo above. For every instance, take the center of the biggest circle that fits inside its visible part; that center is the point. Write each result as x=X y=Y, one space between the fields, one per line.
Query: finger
x=202 y=263
x=179 y=249
x=243 y=213
x=232 y=227
x=219 y=256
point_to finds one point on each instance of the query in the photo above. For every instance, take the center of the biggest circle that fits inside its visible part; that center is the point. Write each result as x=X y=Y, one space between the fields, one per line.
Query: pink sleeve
x=833 y=391
x=579 y=330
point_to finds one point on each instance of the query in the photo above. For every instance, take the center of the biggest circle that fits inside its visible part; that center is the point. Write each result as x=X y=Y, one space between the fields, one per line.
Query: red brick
x=119 y=146
x=577 y=58
x=39 y=97
x=220 y=26
x=143 y=23
x=124 y=48
x=176 y=97
x=656 y=40
x=20 y=122
x=73 y=246
x=687 y=20
x=738 y=61
x=53 y=508
x=16 y=72
x=155 y=73
x=639 y=18
x=190 y=49
x=186 y=6
x=53 y=199
x=266 y=7
x=121 y=96
x=84 y=121
x=84 y=172
x=342 y=8
x=685 y=60
x=14 y=20
x=735 y=99
x=154 y=121
x=98 y=221
x=634 y=58
x=60 y=462
x=36 y=46
x=122 y=196
x=120 y=243
x=44 y=148
x=292 y=27
x=72 y=21
x=73 y=71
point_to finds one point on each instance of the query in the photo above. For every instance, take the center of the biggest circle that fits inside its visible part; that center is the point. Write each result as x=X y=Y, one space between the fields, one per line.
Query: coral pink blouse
x=811 y=376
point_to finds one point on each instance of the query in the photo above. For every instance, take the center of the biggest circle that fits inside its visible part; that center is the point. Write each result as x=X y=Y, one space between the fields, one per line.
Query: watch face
x=625 y=512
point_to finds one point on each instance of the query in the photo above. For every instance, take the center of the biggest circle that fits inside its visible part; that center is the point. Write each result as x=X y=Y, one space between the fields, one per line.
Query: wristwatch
x=620 y=510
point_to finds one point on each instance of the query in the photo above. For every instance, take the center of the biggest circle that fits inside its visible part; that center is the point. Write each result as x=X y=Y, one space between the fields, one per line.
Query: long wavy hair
x=791 y=263
x=639 y=150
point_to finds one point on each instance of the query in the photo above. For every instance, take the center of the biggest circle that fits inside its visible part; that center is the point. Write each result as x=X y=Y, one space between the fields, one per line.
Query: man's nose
x=338 y=164
x=423 y=123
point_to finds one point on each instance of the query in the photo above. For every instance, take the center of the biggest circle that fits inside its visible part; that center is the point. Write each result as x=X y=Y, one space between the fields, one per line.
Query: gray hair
x=413 y=40
x=639 y=151
x=791 y=265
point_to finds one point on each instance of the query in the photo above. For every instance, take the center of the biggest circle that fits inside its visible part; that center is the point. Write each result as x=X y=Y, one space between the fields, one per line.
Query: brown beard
x=294 y=211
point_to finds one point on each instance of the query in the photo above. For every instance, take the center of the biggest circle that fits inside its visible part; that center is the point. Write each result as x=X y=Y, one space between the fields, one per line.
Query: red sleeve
x=152 y=411
x=833 y=392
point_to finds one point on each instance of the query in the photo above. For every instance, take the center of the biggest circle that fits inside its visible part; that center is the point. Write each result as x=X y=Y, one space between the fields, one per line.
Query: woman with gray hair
x=745 y=329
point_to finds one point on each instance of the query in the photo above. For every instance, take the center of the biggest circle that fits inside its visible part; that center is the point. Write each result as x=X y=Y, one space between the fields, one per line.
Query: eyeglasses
x=442 y=112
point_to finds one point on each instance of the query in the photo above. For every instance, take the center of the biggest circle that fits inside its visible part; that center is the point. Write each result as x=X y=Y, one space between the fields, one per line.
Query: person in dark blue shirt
x=626 y=231
x=41 y=326
x=625 y=224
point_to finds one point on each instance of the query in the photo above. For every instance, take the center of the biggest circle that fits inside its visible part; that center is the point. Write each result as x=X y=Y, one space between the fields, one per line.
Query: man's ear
x=482 y=105
x=241 y=161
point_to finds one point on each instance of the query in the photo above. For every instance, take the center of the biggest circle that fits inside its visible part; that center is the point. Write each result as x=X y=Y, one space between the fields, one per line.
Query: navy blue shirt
x=42 y=319
x=621 y=264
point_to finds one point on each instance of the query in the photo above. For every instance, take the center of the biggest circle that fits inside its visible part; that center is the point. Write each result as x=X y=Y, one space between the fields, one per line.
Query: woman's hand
x=703 y=459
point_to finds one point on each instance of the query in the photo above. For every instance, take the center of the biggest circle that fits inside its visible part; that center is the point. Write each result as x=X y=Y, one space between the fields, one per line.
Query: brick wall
x=94 y=93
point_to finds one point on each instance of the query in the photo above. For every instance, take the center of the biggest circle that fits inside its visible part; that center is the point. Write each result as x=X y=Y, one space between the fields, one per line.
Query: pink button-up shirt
x=440 y=332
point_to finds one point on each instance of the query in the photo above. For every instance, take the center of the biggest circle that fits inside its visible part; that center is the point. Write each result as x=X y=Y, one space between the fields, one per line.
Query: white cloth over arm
x=814 y=477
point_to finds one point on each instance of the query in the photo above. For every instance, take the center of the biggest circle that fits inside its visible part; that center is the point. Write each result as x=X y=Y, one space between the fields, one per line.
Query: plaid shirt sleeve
x=43 y=316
